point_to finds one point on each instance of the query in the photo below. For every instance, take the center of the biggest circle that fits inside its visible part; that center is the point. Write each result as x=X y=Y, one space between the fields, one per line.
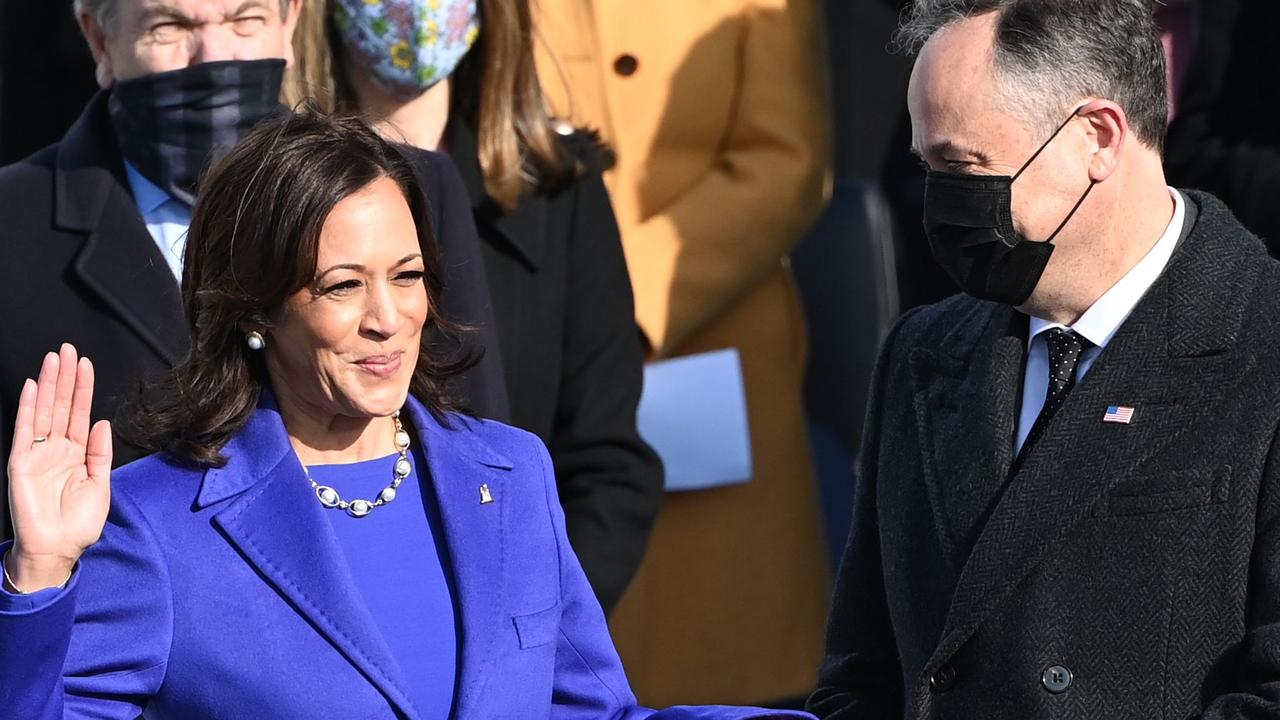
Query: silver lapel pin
x=486 y=497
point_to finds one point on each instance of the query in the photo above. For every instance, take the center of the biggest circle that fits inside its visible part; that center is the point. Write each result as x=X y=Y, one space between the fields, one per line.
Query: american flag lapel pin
x=1118 y=414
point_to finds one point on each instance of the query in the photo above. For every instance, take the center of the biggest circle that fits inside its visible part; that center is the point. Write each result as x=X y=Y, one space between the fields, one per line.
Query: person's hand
x=59 y=473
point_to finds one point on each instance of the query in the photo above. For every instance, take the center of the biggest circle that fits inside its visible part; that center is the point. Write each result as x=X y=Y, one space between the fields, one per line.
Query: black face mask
x=170 y=125
x=969 y=223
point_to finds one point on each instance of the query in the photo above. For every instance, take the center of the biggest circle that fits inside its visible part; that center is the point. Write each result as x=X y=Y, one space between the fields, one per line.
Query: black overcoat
x=572 y=354
x=1123 y=571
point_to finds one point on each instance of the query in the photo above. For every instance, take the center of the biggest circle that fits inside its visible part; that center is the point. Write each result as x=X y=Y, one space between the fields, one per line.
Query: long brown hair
x=253 y=242
x=495 y=90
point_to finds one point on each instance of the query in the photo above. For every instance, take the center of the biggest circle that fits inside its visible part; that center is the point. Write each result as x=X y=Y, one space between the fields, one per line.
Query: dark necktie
x=1065 y=349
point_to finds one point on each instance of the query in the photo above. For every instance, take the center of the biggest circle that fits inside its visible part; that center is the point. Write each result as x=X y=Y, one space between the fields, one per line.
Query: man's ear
x=1108 y=128
x=96 y=36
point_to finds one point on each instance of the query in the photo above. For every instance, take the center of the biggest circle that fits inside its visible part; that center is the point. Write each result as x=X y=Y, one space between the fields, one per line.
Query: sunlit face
x=151 y=36
x=962 y=122
x=348 y=344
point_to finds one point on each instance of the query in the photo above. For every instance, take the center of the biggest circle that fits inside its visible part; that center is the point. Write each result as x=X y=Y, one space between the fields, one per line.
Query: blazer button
x=1056 y=679
x=943 y=680
x=626 y=65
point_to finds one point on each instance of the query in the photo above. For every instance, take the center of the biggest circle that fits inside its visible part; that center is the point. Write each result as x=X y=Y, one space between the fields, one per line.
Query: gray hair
x=1050 y=54
x=104 y=11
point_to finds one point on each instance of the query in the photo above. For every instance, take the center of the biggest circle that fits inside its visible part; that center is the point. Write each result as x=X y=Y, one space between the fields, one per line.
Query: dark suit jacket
x=572 y=355
x=79 y=265
x=1142 y=558
x=1226 y=137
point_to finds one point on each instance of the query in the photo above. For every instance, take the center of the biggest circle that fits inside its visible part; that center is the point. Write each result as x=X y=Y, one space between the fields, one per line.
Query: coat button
x=943 y=680
x=626 y=65
x=1056 y=679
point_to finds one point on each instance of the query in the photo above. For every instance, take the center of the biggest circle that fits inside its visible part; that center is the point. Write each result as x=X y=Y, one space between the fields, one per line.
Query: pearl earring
x=254 y=340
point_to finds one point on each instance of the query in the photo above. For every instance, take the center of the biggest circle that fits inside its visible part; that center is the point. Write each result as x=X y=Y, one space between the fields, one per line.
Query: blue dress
x=399 y=562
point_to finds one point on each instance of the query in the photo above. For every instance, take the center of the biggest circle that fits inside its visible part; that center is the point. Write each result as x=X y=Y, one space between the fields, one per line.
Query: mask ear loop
x=1074 y=114
x=1072 y=214
x=1065 y=123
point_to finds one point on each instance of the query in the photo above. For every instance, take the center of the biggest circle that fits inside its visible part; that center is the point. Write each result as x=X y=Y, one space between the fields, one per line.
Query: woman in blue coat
x=318 y=532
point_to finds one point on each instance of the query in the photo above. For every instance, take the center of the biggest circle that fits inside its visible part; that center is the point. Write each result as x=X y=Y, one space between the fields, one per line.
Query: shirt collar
x=146 y=194
x=1101 y=321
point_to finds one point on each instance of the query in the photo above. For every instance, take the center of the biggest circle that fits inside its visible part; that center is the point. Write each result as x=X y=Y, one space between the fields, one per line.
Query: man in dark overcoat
x=1069 y=499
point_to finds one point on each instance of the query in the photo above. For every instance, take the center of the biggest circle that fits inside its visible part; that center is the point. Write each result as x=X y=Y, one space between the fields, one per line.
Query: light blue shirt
x=1098 y=324
x=167 y=218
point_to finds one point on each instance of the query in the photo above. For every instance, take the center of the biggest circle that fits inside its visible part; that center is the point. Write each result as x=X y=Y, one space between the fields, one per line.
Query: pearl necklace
x=330 y=498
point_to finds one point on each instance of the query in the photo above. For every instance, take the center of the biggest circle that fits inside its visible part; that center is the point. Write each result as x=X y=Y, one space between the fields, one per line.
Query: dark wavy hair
x=253 y=241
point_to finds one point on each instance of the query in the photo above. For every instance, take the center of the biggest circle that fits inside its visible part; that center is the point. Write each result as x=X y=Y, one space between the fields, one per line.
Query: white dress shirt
x=1098 y=324
x=167 y=218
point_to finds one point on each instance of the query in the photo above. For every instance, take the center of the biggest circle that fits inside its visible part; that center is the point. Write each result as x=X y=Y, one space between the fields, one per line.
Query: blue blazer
x=222 y=593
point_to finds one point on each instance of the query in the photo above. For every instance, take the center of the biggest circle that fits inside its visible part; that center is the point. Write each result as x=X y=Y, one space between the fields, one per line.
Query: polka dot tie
x=1065 y=349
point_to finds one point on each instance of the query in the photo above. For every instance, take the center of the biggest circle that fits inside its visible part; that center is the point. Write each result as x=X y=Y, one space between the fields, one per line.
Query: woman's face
x=348 y=344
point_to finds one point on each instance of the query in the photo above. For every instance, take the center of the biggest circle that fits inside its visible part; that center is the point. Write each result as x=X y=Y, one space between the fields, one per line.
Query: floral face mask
x=407 y=45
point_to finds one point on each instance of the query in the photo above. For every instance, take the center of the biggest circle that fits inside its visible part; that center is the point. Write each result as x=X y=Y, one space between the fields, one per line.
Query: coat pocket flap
x=1173 y=490
x=537 y=629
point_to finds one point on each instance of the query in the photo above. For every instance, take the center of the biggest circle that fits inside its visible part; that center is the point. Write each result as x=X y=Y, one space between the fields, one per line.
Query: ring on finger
x=39 y=439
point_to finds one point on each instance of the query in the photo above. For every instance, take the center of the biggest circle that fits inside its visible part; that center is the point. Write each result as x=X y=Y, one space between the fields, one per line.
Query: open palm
x=59 y=467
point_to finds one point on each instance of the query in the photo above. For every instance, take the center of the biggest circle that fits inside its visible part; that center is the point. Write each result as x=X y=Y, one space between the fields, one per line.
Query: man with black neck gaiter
x=93 y=229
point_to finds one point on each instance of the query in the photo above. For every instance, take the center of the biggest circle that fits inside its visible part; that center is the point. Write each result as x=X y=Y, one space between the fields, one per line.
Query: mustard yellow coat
x=717 y=112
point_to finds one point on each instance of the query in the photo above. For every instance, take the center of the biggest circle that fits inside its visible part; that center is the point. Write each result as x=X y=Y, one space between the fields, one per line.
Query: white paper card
x=694 y=414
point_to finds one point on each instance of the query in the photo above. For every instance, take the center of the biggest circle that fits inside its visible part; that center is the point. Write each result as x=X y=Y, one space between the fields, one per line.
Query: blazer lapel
x=119 y=262
x=280 y=529
x=965 y=396
x=476 y=542
x=521 y=230
x=1169 y=361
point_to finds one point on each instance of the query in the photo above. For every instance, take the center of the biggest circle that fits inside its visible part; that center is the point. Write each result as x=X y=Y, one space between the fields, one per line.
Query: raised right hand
x=59 y=486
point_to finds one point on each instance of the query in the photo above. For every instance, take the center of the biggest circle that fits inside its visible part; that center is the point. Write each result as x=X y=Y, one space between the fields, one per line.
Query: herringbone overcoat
x=1122 y=571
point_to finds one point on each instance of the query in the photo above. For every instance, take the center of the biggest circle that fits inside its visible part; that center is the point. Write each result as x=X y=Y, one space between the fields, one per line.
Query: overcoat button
x=943 y=680
x=626 y=65
x=1056 y=679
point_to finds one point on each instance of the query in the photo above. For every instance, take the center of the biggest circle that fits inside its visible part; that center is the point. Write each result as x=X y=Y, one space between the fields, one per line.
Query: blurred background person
x=93 y=228
x=1225 y=137
x=459 y=76
x=717 y=113
x=1179 y=24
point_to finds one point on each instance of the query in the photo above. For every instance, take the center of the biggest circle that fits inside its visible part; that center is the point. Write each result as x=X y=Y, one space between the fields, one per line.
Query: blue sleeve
x=14 y=603
x=589 y=682
x=99 y=647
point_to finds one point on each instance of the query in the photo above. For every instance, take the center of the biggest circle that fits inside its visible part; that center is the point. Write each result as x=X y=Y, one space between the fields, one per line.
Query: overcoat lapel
x=279 y=527
x=267 y=491
x=118 y=262
x=523 y=229
x=476 y=539
x=965 y=395
x=1169 y=361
